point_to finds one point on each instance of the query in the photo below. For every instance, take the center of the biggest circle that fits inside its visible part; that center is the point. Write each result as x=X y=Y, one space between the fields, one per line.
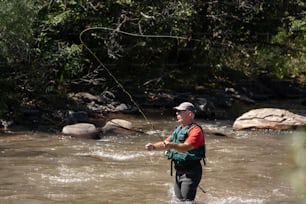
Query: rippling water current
x=47 y=168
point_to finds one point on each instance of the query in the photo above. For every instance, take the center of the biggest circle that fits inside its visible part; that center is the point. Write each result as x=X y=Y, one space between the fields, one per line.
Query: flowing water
x=40 y=168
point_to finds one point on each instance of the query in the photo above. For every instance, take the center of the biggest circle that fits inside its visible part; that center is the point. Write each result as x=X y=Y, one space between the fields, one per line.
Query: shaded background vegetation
x=213 y=43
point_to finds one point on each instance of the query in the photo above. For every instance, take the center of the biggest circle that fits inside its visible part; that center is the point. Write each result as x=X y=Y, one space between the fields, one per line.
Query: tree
x=15 y=43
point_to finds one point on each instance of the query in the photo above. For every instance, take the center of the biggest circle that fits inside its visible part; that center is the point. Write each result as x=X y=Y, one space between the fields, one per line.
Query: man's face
x=183 y=116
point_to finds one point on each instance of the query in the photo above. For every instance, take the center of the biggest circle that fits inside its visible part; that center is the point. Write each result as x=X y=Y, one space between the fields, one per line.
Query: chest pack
x=179 y=136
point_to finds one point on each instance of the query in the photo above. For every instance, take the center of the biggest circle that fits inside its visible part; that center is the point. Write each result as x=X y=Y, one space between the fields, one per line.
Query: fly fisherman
x=185 y=148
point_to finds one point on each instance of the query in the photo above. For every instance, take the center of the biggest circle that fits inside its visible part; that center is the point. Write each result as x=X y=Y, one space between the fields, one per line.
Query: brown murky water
x=46 y=168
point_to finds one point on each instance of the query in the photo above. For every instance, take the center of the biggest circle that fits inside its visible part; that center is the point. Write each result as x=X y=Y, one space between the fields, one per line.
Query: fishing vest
x=179 y=136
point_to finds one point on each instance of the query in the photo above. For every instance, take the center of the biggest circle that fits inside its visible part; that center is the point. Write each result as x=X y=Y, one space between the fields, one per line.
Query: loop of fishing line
x=112 y=76
x=108 y=71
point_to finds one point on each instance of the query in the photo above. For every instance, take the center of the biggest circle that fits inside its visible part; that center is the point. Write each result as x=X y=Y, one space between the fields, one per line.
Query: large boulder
x=269 y=118
x=81 y=130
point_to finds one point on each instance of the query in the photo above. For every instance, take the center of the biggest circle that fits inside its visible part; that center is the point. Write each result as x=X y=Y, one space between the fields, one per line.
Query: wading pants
x=187 y=181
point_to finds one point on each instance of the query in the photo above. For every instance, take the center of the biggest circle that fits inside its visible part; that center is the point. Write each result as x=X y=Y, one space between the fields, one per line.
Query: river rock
x=269 y=118
x=117 y=126
x=81 y=130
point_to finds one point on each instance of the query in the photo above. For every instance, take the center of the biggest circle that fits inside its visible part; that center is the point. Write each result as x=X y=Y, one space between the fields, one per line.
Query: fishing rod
x=202 y=189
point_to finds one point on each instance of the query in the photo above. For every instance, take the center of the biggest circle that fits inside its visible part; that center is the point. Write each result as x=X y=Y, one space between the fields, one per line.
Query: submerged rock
x=117 y=126
x=269 y=118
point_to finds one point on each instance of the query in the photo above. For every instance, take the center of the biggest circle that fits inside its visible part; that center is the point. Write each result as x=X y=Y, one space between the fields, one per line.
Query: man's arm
x=183 y=147
x=156 y=146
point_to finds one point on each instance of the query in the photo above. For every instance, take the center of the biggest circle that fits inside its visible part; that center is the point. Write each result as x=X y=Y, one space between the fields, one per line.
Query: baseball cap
x=185 y=106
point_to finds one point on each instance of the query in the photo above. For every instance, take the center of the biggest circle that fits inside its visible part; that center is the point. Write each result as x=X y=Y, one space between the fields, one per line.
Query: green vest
x=179 y=136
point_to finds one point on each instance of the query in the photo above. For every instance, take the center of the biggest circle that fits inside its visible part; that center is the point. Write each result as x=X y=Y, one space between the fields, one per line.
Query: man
x=186 y=148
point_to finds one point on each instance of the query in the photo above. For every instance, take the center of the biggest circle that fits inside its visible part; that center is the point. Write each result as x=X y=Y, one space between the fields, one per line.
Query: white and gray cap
x=186 y=106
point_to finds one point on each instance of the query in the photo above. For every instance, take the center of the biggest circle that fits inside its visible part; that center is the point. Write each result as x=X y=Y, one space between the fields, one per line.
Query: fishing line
x=109 y=72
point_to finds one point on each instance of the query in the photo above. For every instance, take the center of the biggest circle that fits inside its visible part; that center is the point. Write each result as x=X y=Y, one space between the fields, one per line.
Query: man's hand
x=150 y=147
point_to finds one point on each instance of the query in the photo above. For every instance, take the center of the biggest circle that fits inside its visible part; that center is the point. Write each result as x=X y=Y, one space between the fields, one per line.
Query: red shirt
x=195 y=137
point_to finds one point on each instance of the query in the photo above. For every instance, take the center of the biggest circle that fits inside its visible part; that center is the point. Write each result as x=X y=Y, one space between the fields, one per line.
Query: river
x=39 y=167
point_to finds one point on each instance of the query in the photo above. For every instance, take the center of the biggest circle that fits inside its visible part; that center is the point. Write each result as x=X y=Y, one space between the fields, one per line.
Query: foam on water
x=153 y=132
x=121 y=156
x=68 y=175
x=236 y=200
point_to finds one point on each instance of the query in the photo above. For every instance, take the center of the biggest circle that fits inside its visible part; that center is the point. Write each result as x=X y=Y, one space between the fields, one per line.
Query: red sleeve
x=168 y=138
x=195 y=137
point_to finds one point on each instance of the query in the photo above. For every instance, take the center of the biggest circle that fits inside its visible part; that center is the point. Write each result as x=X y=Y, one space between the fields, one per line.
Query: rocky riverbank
x=51 y=112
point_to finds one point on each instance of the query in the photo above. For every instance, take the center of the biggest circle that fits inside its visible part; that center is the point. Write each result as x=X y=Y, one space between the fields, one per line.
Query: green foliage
x=15 y=43
x=15 y=32
x=294 y=66
x=57 y=53
x=200 y=43
x=287 y=56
